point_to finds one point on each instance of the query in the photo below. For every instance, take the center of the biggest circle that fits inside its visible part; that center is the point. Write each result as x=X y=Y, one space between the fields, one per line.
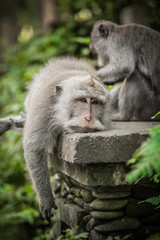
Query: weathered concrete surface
x=115 y=145
x=92 y=174
x=71 y=214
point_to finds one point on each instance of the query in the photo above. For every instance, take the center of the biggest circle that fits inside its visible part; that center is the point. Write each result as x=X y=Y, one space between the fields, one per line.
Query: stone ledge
x=92 y=174
x=113 y=146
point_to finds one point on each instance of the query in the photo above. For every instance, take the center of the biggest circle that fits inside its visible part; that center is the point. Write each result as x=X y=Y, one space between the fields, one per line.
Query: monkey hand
x=100 y=74
x=46 y=205
x=18 y=121
x=5 y=125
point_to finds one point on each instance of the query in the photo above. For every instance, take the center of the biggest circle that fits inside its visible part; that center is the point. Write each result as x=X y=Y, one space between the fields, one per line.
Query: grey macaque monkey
x=129 y=52
x=65 y=96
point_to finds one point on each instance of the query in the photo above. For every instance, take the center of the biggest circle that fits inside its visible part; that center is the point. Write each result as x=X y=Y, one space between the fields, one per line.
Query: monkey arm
x=12 y=123
x=36 y=138
x=114 y=95
x=109 y=75
x=5 y=125
x=121 y=64
x=37 y=164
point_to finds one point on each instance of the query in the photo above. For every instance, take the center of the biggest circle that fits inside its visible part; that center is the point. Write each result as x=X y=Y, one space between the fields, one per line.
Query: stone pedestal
x=90 y=189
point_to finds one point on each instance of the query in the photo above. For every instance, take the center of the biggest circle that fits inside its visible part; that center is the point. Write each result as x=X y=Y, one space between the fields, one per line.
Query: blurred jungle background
x=32 y=32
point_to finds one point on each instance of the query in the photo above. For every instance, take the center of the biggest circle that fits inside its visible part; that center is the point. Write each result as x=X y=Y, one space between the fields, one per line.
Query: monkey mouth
x=84 y=129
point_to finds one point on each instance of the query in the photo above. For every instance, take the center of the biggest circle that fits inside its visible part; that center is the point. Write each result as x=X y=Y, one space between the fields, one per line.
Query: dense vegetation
x=19 y=213
x=146 y=162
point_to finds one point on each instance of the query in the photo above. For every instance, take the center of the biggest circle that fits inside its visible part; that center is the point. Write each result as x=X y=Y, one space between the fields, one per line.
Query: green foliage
x=154 y=201
x=154 y=237
x=45 y=233
x=146 y=160
x=157 y=114
x=17 y=205
x=146 y=163
x=70 y=235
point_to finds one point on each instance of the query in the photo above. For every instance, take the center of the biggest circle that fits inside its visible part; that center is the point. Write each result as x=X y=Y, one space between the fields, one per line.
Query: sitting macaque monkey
x=65 y=96
x=129 y=52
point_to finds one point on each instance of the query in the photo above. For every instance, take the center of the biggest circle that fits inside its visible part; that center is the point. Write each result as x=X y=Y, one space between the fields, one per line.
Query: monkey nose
x=88 y=119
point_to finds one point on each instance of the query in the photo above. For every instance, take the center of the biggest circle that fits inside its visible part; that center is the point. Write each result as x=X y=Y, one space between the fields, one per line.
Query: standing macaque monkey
x=130 y=52
x=65 y=96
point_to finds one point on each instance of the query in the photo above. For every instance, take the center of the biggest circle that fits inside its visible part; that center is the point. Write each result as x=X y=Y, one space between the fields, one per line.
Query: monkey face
x=84 y=108
x=85 y=117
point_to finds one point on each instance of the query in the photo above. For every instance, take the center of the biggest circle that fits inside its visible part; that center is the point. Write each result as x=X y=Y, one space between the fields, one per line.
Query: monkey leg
x=126 y=110
x=125 y=101
x=125 y=113
x=121 y=117
x=114 y=95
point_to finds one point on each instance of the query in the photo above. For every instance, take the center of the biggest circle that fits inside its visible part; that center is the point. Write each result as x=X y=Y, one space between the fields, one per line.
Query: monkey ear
x=103 y=30
x=59 y=89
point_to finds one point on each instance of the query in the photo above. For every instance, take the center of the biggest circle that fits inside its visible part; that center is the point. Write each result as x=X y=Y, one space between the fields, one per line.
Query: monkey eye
x=95 y=101
x=82 y=100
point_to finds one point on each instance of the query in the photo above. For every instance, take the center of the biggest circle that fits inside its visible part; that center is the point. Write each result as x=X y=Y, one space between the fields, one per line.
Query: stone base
x=91 y=191
x=115 y=214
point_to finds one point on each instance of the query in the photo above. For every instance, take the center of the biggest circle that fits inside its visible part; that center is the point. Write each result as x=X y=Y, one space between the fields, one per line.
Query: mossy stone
x=106 y=215
x=108 y=205
x=87 y=195
x=120 y=224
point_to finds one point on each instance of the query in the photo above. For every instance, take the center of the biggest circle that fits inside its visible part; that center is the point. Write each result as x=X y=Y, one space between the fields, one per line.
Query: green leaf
x=146 y=160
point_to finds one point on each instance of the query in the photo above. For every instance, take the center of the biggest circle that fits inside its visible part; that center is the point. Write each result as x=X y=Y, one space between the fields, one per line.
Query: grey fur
x=131 y=51
x=135 y=99
x=51 y=107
